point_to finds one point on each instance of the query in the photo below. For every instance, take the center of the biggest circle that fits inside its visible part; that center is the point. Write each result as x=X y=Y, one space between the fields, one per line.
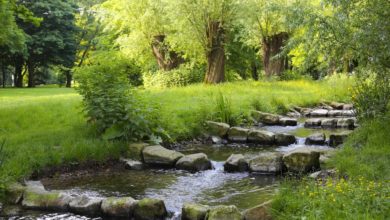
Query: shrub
x=184 y=75
x=111 y=104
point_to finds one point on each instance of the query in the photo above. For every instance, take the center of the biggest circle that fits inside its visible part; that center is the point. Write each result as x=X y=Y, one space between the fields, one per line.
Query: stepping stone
x=288 y=121
x=348 y=113
x=338 y=139
x=194 y=162
x=224 y=213
x=316 y=139
x=348 y=107
x=302 y=160
x=329 y=123
x=319 y=113
x=160 y=156
x=236 y=163
x=261 y=137
x=217 y=128
x=118 y=207
x=284 y=139
x=238 y=134
x=337 y=105
x=132 y=164
x=266 y=118
x=268 y=162
x=191 y=211
x=150 y=209
x=346 y=123
x=14 y=193
x=34 y=198
x=313 y=122
x=335 y=113
x=86 y=205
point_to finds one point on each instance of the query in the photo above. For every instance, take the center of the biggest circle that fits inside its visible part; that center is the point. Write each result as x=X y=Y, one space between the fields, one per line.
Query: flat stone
x=313 y=122
x=348 y=107
x=284 y=139
x=329 y=123
x=236 y=163
x=319 y=113
x=268 y=162
x=288 y=121
x=266 y=118
x=316 y=139
x=150 y=209
x=39 y=199
x=238 y=134
x=338 y=139
x=224 y=213
x=132 y=164
x=348 y=113
x=192 y=211
x=194 y=162
x=217 y=128
x=302 y=160
x=261 y=137
x=346 y=123
x=337 y=105
x=160 y=156
x=118 y=207
x=260 y=212
x=216 y=140
x=293 y=114
x=86 y=205
x=335 y=113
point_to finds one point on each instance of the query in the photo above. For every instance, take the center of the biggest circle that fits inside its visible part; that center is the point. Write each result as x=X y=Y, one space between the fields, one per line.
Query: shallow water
x=211 y=187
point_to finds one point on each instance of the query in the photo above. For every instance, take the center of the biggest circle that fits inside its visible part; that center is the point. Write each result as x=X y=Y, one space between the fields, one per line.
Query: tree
x=53 y=42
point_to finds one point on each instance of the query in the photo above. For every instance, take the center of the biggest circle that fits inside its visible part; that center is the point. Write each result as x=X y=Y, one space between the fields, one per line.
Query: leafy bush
x=291 y=75
x=184 y=75
x=111 y=104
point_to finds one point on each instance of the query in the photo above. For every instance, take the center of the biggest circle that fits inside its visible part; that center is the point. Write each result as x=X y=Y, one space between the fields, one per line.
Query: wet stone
x=338 y=139
x=150 y=209
x=266 y=118
x=313 y=122
x=329 y=123
x=319 y=113
x=302 y=160
x=268 y=162
x=217 y=128
x=118 y=207
x=316 y=139
x=160 y=156
x=346 y=123
x=192 y=211
x=288 y=121
x=284 y=139
x=194 y=162
x=86 y=205
x=132 y=164
x=224 y=213
x=238 y=134
x=14 y=193
x=236 y=163
x=45 y=200
x=261 y=137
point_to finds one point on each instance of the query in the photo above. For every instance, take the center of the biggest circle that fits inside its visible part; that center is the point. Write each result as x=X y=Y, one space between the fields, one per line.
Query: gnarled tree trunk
x=167 y=59
x=215 y=54
x=272 y=46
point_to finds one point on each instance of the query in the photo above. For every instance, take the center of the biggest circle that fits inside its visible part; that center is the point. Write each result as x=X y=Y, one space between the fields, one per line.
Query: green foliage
x=111 y=104
x=223 y=109
x=182 y=76
x=356 y=198
x=291 y=75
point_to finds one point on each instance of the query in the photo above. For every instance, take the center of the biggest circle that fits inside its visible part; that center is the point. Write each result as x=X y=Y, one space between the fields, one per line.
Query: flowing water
x=211 y=187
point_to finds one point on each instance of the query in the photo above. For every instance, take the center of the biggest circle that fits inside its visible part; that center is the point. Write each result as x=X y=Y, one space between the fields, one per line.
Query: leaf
x=113 y=132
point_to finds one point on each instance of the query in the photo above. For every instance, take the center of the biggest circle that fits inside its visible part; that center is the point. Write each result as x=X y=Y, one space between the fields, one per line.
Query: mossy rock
x=135 y=150
x=160 y=156
x=150 y=209
x=194 y=162
x=302 y=160
x=14 y=193
x=192 y=211
x=224 y=213
x=86 y=205
x=238 y=134
x=267 y=162
x=236 y=163
x=118 y=207
x=217 y=128
x=45 y=200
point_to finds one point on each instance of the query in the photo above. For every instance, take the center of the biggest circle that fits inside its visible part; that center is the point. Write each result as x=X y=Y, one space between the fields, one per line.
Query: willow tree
x=267 y=29
x=204 y=31
x=142 y=30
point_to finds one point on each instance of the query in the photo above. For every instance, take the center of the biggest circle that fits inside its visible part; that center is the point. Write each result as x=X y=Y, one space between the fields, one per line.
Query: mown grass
x=365 y=194
x=45 y=126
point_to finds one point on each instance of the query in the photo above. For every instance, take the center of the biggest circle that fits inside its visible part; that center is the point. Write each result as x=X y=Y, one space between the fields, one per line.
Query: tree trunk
x=3 y=67
x=255 y=74
x=272 y=46
x=18 y=76
x=166 y=58
x=215 y=54
x=68 y=79
x=31 y=74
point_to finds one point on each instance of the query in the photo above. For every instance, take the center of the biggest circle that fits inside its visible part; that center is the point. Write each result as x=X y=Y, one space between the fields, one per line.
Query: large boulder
x=160 y=156
x=329 y=123
x=268 y=162
x=319 y=113
x=316 y=139
x=135 y=150
x=150 y=209
x=238 y=134
x=118 y=207
x=288 y=121
x=236 y=163
x=338 y=139
x=194 y=162
x=224 y=213
x=284 y=139
x=45 y=200
x=346 y=123
x=302 y=160
x=86 y=205
x=217 y=128
x=261 y=137
x=313 y=122
x=192 y=211
x=132 y=164
x=266 y=118
x=260 y=212
x=14 y=193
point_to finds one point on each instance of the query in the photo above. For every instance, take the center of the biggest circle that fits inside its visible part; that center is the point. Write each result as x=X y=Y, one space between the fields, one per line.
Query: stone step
x=347 y=123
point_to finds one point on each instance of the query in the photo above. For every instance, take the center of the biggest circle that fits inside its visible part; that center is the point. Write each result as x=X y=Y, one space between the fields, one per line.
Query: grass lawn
x=45 y=126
